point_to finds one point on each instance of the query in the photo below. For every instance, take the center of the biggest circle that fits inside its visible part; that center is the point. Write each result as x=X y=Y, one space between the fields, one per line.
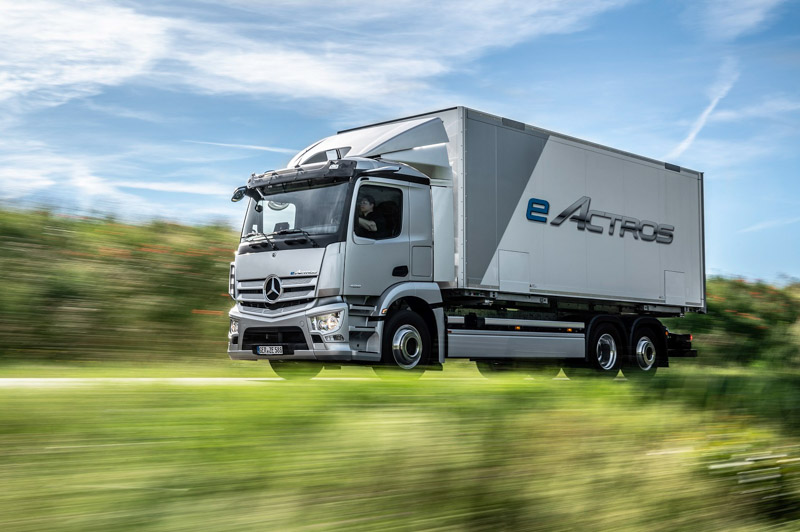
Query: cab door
x=373 y=263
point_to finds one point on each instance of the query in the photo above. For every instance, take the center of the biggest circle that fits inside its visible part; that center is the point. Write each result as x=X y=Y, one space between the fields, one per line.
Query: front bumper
x=241 y=347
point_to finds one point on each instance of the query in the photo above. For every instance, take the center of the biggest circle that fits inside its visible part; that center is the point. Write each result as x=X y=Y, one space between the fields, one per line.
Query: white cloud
x=353 y=53
x=246 y=146
x=770 y=224
x=124 y=112
x=134 y=155
x=729 y=19
x=35 y=172
x=773 y=108
x=202 y=189
x=32 y=173
x=51 y=52
x=54 y=50
x=728 y=74
x=725 y=159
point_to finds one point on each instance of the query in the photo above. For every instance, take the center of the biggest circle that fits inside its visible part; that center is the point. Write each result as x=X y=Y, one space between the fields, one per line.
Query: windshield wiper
x=266 y=238
x=254 y=233
x=296 y=231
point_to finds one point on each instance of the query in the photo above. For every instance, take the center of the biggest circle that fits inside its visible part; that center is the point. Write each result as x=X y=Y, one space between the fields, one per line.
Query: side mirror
x=238 y=194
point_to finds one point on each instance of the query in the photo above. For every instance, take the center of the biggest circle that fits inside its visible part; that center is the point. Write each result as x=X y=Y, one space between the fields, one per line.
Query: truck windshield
x=316 y=211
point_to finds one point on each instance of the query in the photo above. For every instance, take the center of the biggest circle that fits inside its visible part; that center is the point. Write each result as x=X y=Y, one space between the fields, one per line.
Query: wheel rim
x=645 y=353
x=407 y=346
x=606 y=352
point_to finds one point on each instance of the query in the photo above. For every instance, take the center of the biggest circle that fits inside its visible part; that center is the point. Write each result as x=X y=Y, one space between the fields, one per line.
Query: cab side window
x=379 y=212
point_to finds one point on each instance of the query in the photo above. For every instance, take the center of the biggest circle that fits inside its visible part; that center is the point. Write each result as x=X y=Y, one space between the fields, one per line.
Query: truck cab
x=322 y=247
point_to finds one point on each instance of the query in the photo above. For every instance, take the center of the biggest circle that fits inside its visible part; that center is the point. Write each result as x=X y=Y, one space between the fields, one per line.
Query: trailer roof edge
x=500 y=119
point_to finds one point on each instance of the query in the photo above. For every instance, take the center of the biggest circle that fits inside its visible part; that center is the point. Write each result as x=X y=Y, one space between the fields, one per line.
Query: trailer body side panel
x=547 y=214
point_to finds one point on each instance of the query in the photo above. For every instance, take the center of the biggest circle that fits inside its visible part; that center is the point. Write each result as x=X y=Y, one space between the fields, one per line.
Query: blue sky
x=150 y=109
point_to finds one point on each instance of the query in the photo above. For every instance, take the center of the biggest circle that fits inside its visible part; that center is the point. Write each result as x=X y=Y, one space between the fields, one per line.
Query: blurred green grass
x=438 y=454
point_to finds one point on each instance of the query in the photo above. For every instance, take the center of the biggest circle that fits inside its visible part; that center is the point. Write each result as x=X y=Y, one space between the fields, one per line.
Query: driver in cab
x=370 y=223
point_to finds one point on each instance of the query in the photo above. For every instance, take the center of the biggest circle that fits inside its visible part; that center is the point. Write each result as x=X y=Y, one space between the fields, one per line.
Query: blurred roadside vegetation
x=79 y=288
x=86 y=288
x=747 y=324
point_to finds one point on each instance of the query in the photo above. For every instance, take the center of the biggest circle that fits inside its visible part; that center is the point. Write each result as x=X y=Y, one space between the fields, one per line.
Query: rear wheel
x=645 y=351
x=603 y=353
x=406 y=345
x=295 y=370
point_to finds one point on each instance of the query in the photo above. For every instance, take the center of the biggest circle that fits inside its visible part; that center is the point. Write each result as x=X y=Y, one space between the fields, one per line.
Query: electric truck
x=458 y=234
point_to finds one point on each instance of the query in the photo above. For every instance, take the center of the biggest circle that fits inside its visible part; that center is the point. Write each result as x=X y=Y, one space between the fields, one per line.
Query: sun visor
x=378 y=140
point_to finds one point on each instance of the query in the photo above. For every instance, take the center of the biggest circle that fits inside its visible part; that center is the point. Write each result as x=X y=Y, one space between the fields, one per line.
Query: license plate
x=270 y=350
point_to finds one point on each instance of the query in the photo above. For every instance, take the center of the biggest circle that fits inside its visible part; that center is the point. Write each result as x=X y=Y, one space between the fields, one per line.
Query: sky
x=160 y=109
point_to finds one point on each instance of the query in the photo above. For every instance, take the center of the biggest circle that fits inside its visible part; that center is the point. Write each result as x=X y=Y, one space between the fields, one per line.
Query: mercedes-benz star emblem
x=272 y=289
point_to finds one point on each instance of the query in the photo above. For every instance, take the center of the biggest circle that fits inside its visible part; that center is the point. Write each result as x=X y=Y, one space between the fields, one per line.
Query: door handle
x=400 y=271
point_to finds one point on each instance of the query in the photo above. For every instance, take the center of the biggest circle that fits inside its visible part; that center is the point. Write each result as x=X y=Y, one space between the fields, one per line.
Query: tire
x=604 y=353
x=406 y=345
x=642 y=363
x=295 y=370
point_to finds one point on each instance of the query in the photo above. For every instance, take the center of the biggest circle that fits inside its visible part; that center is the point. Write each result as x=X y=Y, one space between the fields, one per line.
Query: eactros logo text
x=580 y=213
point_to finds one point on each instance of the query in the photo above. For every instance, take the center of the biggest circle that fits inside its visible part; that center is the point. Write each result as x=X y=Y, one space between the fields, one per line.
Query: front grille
x=291 y=338
x=259 y=291
x=298 y=293
x=276 y=306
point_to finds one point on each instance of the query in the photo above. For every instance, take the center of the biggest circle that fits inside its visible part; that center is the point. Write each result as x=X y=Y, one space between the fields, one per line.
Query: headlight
x=234 y=326
x=326 y=323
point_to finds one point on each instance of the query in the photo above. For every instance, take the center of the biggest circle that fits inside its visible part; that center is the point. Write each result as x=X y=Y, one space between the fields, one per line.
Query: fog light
x=326 y=323
x=234 y=326
x=334 y=338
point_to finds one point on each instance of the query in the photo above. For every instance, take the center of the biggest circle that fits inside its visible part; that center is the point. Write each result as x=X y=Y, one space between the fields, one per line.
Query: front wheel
x=406 y=345
x=295 y=370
